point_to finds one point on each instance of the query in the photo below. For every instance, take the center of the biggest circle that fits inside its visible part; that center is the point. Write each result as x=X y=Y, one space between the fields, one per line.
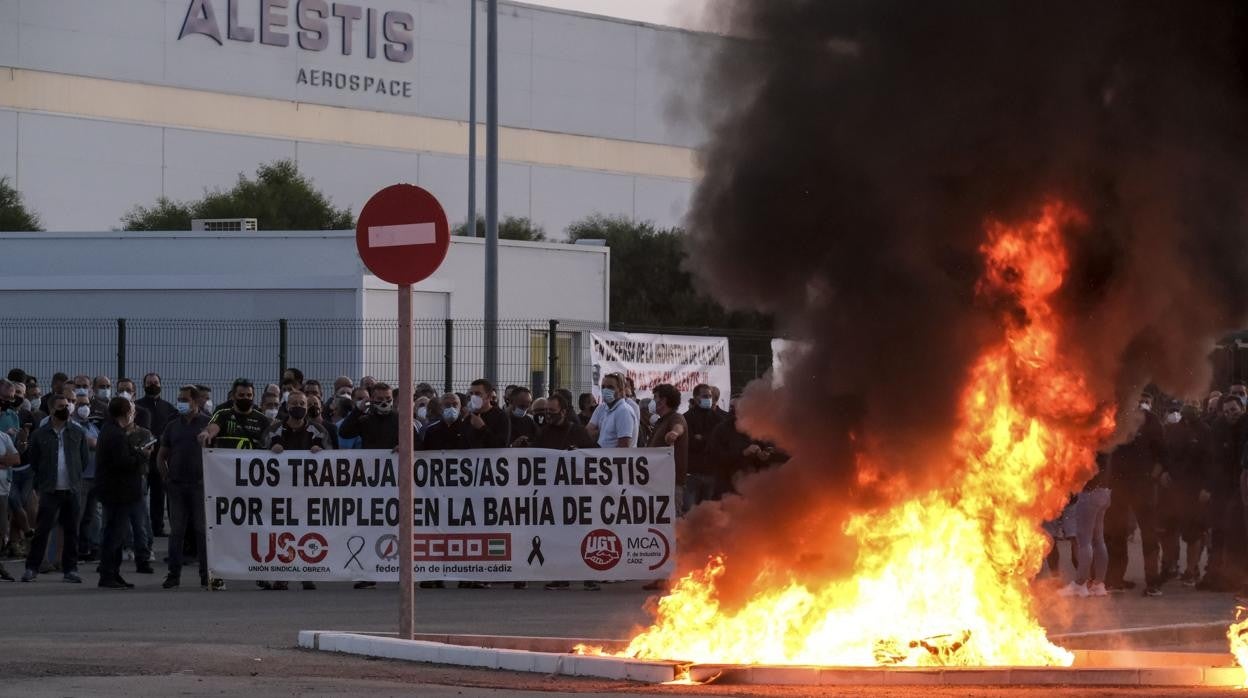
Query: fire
x=1238 y=636
x=942 y=577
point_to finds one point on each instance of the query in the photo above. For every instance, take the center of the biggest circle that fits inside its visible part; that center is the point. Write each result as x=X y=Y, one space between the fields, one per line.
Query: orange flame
x=1238 y=636
x=942 y=577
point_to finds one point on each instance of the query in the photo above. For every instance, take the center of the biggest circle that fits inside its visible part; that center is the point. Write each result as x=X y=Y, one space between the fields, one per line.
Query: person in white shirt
x=614 y=422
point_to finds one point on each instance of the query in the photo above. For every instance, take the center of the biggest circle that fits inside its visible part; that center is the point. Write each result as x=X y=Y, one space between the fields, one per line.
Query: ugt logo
x=283 y=547
x=601 y=549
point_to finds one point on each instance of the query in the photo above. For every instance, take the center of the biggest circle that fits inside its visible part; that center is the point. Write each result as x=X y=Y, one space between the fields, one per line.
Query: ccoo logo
x=601 y=549
x=284 y=547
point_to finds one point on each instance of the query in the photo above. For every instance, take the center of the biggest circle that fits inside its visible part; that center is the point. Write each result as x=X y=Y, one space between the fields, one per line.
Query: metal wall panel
x=84 y=174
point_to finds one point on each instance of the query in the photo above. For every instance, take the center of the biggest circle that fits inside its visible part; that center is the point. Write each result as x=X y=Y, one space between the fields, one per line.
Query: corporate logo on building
x=316 y=26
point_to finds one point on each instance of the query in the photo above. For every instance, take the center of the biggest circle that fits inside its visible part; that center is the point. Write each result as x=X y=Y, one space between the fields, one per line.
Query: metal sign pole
x=407 y=601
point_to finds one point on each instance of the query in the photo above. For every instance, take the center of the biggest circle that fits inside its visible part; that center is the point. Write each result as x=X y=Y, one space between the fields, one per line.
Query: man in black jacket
x=561 y=430
x=121 y=457
x=1221 y=496
x=1189 y=447
x=160 y=412
x=376 y=422
x=490 y=428
x=451 y=431
x=181 y=463
x=1139 y=467
x=704 y=480
x=57 y=454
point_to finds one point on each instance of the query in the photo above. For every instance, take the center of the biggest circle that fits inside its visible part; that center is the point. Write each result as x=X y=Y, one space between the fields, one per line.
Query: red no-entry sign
x=402 y=234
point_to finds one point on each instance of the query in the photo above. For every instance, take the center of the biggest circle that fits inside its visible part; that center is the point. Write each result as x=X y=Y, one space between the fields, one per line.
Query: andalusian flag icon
x=496 y=547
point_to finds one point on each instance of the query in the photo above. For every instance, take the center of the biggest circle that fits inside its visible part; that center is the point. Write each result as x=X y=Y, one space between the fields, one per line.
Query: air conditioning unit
x=217 y=225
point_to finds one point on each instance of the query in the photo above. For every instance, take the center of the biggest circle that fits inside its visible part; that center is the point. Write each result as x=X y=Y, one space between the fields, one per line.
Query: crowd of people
x=94 y=470
x=1182 y=476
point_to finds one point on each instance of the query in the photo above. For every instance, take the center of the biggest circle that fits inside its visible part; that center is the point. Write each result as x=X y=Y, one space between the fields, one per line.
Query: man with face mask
x=1139 y=467
x=451 y=432
x=375 y=421
x=1190 y=447
x=561 y=430
x=705 y=479
x=57 y=456
x=523 y=426
x=614 y=421
x=181 y=463
x=160 y=413
x=1220 y=495
x=294 y=433
x=121 y=461
x=239 y=426
x=489 y=427
x=90 y=521
x=101 y=394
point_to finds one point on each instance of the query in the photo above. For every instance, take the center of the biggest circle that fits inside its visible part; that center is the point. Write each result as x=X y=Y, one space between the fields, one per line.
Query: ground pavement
x=62 y=639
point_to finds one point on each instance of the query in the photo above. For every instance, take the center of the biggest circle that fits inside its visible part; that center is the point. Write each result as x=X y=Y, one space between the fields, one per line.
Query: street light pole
x=491 y=193
x=472 y=119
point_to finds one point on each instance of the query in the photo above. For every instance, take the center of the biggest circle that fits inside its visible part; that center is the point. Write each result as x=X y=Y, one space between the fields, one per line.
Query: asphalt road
x=65 y=640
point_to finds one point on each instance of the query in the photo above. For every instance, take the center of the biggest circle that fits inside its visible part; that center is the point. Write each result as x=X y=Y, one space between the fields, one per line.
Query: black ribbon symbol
x=355 y=544
x=537 y=551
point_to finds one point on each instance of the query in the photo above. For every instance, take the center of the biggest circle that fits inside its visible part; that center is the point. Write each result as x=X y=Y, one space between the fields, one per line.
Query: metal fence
x=448 y=354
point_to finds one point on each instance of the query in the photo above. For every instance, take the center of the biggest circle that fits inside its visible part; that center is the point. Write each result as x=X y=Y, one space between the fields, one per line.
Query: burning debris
x=1237 y=634
x=987 y=223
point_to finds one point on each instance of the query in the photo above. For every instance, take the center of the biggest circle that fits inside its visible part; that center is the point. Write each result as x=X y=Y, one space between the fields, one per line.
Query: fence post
x=449 y=356
x=283 y=345
x=552 y=353
x=121 y=349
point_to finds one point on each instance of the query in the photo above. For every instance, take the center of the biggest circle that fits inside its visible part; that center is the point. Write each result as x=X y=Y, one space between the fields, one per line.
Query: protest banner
x=653 y=359
x=504 y=515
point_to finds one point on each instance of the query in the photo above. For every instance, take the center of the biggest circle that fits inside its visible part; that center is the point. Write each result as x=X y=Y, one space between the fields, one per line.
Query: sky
x=681 y=13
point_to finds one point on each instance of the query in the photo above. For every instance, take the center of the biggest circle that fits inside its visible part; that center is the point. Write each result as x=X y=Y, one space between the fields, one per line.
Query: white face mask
x=475 y=403
x=422 y=413
x=654 y=418
x=208 y=406
x=285 y=395
x=1146 y=407
x=127 y=395
x=101 y=393
x=271 y=413
x=83 y=411
x=1173 y=418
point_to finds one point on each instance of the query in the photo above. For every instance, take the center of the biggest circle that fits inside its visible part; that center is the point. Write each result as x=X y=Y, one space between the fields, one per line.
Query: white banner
x=653 y=359
x=504 y=515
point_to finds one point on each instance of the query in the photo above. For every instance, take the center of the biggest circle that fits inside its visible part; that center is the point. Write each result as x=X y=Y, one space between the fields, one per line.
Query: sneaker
x=281 y=586
x=72 y=578
x=218 y=585
x=1097 y=589
x=144 y=568
x=5 y=576
x=373 y=585
x=112 y=583
x=127 y=555
x=1074 y=589
x=1152 y=591
x=267 y=586
x=1189 y=579
x=123 y=581
x=557 y=586
x=592 y=586
x=29 y=575
x=309 y=586
x=172 y=581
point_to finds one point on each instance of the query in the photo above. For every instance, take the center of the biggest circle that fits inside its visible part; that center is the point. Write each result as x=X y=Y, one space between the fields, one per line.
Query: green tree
x=651 y=285
x=510 y=228
x=14 y=216
x=279 y=197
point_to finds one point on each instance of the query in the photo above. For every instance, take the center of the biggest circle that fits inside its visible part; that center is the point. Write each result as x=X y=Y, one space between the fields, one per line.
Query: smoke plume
x=857 y=149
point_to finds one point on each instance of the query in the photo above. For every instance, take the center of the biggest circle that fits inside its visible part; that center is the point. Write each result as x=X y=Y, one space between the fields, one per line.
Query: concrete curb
x=1149 y=636
x=565 y=664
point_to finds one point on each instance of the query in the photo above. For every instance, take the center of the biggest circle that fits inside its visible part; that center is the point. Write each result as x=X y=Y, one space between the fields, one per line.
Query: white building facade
x=105 y=105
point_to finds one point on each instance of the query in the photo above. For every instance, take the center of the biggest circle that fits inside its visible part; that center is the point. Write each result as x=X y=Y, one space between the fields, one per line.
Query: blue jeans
x=1093 y=557
x=59 y=508
x=89 y=528
x=23 y=481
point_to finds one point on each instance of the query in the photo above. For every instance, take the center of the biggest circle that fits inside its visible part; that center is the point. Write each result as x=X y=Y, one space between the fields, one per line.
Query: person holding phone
x=121 y=458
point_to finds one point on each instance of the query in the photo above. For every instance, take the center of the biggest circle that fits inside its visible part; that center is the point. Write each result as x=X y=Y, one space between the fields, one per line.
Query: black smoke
x=857 y=149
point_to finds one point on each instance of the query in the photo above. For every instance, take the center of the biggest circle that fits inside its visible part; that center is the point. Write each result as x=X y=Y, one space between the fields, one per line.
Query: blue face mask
x=705 y=403
x=184 y=407
x=450 y=414
x=608 y=395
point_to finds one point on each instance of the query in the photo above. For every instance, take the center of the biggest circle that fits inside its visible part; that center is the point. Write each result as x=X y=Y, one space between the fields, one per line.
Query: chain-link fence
x=448 y=354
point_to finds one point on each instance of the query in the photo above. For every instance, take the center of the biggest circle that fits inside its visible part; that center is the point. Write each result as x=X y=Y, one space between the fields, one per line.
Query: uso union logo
x=601 y=549
x=285 y=547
